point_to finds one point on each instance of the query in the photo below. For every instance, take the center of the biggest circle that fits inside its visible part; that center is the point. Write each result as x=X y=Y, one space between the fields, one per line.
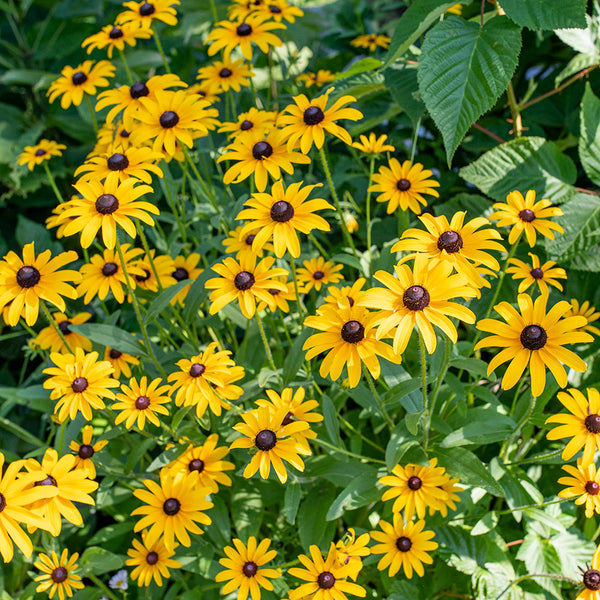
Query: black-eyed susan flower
x=197 y=380
x=126 y=98
x=255 y=28
x=260 y=155
x=271 y=441
x=419 y=296
x=451 y=487
x=120 y=361
x=205 y=464
x=239 y=9
x=48 y=338
x=145 y=13
x=244 y=281
x=403 y=185
x=464 y=245
x=80 y=382
x=173 y=117
x=351 y=294
x=583 y=485
x=56 y=220
x=58 y=576
x=71 y=484
x=251 y=120
x=527 y=215
x=164 y=266
x=226 y=74
x=106 y=205
x=245 y=568
x=536 y=338
x=185 y=267
x=325 y=579
x=121 y=164
x=280 y=10
x=17 y=494
x=150 y=561
x=279 y=215
x=280 y=298
x=404 y=545
x=238 y=244
x=587 y=311
x=536 y=273
x=320 y=78
x=82 y=79
x=348 y=337
x=318 y=272
x=104 y=274
x=351 y=550
x=113 y=36
x=373 y=144
x=86 y=450
x=204 y=90
x=582 y=425
x=416 y=488
x=171 y=510
x=141 y=401
x=591 y=579
x=41 y=152
x=371 y=41
x=305 y=122
x=25 y=281
x=112 y=135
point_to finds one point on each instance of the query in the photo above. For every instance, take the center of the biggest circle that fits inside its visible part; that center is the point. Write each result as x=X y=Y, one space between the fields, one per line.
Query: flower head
x=41 y=152
x=318 y=272
x=119 y=580
x=240 y=244
x=542 y=275
x=583 y=485
x=57 y=574
x=49 y=338
x=373 y=144
x=371 y=41
x=351 y=550
x=351 y=294
x=120 y=361
x=227 y=74
x=250 y=121
x=320 y=78
x=591 y=579
x=85 y=451
x=141 y=401
x=588 y=312
x=151 y=561
x=145 y=13
x=113 y=36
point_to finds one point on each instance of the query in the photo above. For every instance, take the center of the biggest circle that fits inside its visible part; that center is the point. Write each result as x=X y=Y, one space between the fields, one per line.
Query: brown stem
x=490 y=133
x=584 y=191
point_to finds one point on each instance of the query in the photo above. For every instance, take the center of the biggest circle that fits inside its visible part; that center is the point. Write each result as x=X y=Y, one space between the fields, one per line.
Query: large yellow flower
x=42 y=151
x=112 y=37
x=225 y=75
x=536 y=273
x=151 y=561
x=49 y=338
x=57 y=574
x=583 y=485
x=279 y=214
x=535 y=338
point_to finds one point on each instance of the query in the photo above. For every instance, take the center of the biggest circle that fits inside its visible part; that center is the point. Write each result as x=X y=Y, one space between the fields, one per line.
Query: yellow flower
x=252 y=120
x=591 y=579
x=542 y=275
x=185 y=267
x=280 y=298
x=371 y=41
x=587 y=311
x=145 y=13
x=351 y=294
x=204 y=91
x=224 y=75
x=42 y=151
x=316 y=273
x=239 y=244
x=164 y=266
x=120 y=361
x=151 y=561
x=320 y=78
x=57 y=574
x=113 y=37
x=455 y=10
x=48 y=338
x=373 y=144
x=141 y=401
x=280 y=10
x=527 y=215
x=584 y=484
x=85 y=451
x=351 y=550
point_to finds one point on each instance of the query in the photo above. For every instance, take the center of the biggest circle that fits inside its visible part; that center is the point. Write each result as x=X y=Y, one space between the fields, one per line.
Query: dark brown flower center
x=591 y=579
x=262 y=150
x=246 y=125
x=414 y=483
x=352 y=332
x=59 y=575
x=196 y=465
x=169 y=119
x=274 y=292
x=2 y=502
x=275 y=10
x=592 y=488
x=243 y=280
x=416 y=298
x=527 y=215
x=171 y=506
x=243 y=29
x=27 y=277
x=145 y=277
x=197 y=369
x=48 y=481
x=403 y=544
x=124 y=133
x=403 y=185
x=115 y=33
x=318 y=275
x=533 y=337
x=142 y=402
x=147 y=9
x=313 y=115
x=64 y=327
x=152 y=558
x=282 y=211
x=592 y=423
x=40 y=152
x=107 y=204
x=79 y=384
x=225 y=72
x=179 y=274
x=450 y=241
x=85 y=451
x=138 y=89
x=117 y=162
x=109 y=268
x=249 y=239
x=265 y=440
x=289 y=418
x=249 y=569
x=537 y=273
x=79 y=78
x=114 y=354
x=326 y=580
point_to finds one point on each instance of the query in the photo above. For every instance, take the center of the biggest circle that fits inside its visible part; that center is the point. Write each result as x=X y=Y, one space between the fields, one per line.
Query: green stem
x=298 y=299
x=124 y=60
x=52 y=322
x=371 y=169
x=438 y=384
x=336 y=199
x=213 y=10
x=161 y=51
x=403 y=222
x=321 y=442
x=103 y=587
x=265 y=342
x=522 y=421
x=94 y=122
x=384 y=411
x=319 y=247
x=175 y=211
x=514 y=110
x=285 y=329
x=142 y=235
x=423 y=357
x=533 y=576
x=52 y=182
x=413 y=147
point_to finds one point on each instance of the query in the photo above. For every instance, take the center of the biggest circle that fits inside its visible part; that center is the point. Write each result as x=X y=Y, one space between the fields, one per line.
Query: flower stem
x=213 y=10
x=515 y=111
x=104 y=588
x=298 y=299
x=124 y=60
x=368 y=215
x=149 y=255
x=265 y=342
x=52 y=182
x=52 y=322
x=92 y=115
x=382 y=407
x=320 y=248
x=522 y=422
x=161 y=51
x=426 y=408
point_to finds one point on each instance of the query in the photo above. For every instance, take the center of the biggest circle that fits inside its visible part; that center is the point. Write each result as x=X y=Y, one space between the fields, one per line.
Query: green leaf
x=404 y=87
x=311 y=523
x=417 y=18
x=247 y=511
x=331 y=420
x=162 y=300
x=96 y=560
x=111 y=337
x=21 y=433
x=360 y=492
x=546 y=14
x=166 y=457
x=581 y=40
x=524 y=164
x=360 y=66
x=197 y=294
x=460 y=549
x=295 y=358
x=291 y=501
x=110 y=532
x=589 y=142
x=475 y=366
x=482 y=426
x=463 y=70
x=540 y=556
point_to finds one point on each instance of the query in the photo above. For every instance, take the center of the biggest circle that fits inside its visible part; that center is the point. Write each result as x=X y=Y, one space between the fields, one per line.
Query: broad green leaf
x=404 y=87
x=338 y=472
x=581 y=40
x=460 y=549
x=162 y=300
x=360 y=492
x=96 y=560
x=311 y=524
x=166 y=457
x=475 y=366
x=527 y=163
x=331 y=420
x=111 y=337
x=589 y=141
x=109 y=533
x=197 y=294
x=482 y=426
x=291 y=501
x=575 y=65
x=220 y=528
x=361 y=66
x=546 y=14
x=419 y=16
x=573 y=549
x=463 y=70
x=247 y=511
x=21 y=433
x=359 y=85
x=540 y=556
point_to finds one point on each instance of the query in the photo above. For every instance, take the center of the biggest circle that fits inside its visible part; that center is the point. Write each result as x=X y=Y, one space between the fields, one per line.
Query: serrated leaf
x=589 y=141
x=111 y=337
x=463 y=70
x=460 y=549
x=540 y=556
x=576 y=65
x=581 y=40
x=527 y=163
x=417 y=18
x=404 y=87
x=546 y=14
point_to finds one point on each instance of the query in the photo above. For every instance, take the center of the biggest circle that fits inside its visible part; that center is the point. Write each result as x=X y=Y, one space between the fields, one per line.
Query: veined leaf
x=110 y=336
x=404 y=87
x=589 y=142
x=546 y=14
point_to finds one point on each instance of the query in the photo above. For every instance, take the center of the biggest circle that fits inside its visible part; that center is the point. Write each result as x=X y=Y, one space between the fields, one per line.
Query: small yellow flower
x=373 y=144
x=542 y=275
x=57 y=574
x=141 y=401
x=371 y=41
x=85 y=451
x=42 y=151
x=583 y=485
